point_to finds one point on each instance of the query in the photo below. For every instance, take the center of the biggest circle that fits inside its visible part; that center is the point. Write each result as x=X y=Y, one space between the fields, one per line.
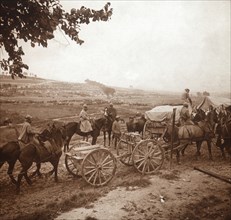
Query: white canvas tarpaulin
x=214 y=101
x=163 y=113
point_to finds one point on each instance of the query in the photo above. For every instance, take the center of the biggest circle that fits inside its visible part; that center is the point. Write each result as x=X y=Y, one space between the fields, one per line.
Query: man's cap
x=111 y=103
x=28 y=117
x=187 y=89
x=85 y=105
x=117 y=116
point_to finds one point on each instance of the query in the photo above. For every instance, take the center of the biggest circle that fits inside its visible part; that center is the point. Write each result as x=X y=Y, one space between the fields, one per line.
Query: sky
x=154 y=45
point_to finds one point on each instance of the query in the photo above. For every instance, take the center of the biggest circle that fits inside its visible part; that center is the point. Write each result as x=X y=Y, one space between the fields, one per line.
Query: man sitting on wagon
x=185 y=117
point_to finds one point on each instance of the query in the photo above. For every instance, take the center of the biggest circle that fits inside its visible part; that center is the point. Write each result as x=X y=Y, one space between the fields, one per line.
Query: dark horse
x=224 y=134
x=10 y=153
x=136 y=126
x=107 y=129
x=72 y=128
x=39 y=153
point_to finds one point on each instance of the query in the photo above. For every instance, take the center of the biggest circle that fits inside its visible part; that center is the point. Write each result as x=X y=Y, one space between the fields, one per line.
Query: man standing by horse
x=116 y=129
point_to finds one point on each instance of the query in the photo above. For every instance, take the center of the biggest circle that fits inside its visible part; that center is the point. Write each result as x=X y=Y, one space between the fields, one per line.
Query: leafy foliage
x=205 y=93
x=35 y=21
x=108 y=91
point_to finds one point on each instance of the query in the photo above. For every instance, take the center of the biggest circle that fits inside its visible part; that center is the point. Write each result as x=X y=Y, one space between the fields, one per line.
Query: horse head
x=45 y=135
x=198 y=115
x=100 y=122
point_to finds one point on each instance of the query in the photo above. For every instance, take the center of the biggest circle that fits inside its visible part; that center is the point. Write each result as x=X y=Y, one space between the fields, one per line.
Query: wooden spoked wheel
x=72 y=159
x=148 y=156
x=124 y=152
x=98 y=167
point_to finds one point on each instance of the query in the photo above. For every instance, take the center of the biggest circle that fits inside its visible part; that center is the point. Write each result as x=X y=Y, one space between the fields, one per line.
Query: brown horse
x=107 y=129
x=72 y=128
x=40 y=154
x=10 y=152
x=187 y=134
x=224 y=134
x=136 y=126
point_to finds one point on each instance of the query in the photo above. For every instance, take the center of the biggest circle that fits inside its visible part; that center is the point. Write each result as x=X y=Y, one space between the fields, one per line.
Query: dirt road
x=170 y=195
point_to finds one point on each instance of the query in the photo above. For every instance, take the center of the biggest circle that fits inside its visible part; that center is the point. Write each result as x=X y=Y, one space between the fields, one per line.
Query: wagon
x=157 y=120
x=97 y=164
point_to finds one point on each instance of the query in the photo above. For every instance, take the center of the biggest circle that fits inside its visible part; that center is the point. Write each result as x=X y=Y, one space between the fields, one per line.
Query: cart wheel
x=148 y=156
x=124 y=152
x=73 y=165
x=98 y=167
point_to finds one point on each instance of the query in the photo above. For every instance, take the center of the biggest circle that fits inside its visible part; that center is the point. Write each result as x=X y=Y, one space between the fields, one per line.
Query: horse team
x=61 y=136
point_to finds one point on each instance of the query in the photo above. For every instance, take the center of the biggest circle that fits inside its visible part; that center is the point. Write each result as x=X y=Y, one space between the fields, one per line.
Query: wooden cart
x=97 y=165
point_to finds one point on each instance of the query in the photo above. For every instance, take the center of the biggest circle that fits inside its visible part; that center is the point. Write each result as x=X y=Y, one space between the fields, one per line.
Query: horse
x=72 y=128
x=186 y=134
x=198 y=115
x=38 y=153
x=131 y=126
x=136 y=126
x=10 y=152
x=139 y=124
x=107 y=129
x=224 y=133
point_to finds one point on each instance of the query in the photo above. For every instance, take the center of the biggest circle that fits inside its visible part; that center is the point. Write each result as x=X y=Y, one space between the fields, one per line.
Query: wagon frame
x=97 y=164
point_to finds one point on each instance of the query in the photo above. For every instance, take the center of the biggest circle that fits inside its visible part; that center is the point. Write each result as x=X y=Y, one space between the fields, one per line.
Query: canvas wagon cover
x=163 y=113
x=214 y=101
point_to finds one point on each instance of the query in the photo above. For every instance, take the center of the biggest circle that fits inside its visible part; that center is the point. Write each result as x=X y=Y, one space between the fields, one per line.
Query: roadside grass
x=53 y=209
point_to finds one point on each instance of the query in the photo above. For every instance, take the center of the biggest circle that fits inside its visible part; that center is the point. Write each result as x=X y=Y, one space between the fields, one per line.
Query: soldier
x=116 y=130
x=112 y=112
x=186 y=97
x=27 y=133
x=185 y=117
x=85 y=125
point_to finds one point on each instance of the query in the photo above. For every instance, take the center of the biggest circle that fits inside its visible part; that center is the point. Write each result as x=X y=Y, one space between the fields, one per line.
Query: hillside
x=37 y=89
x=49 y=99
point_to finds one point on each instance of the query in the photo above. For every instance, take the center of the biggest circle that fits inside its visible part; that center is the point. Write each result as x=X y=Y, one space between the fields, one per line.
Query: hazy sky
x=160 y=45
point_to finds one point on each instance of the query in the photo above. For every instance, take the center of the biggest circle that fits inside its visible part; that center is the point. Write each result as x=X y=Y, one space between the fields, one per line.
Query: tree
x=205 y=93
x=108 y=91
x=35 y=21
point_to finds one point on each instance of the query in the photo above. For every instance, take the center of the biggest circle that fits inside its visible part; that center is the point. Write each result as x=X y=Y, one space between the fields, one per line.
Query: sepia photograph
x=115 y=110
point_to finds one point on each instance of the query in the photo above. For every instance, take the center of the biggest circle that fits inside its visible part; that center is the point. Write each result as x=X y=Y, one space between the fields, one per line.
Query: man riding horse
x=85 y=124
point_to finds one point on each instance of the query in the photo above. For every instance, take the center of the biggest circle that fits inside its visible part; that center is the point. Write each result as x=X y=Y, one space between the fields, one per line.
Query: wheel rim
x=148 y=157
x=99 y=167
x=73 y=165
x=124 y=152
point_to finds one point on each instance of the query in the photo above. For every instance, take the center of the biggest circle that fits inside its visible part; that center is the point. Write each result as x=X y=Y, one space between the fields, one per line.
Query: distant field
x=48 y=99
